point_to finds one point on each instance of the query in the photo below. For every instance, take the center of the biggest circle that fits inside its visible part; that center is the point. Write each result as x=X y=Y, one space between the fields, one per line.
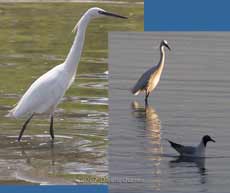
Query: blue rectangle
x=187 y=15
x=55 y=189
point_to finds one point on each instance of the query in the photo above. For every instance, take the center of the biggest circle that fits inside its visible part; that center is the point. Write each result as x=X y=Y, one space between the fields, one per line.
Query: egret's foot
x=146 y=102
x=19 y=139
x=52 y=134
x=52 y=138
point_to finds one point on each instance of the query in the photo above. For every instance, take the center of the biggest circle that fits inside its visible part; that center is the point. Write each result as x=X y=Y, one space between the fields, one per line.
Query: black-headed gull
x=192 y=151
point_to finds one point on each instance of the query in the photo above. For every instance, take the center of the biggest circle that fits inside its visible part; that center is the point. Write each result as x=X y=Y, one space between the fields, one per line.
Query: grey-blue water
x=191 y=100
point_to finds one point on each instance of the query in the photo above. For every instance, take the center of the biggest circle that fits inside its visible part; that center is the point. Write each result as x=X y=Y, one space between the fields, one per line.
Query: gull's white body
x=47 y=91
x=189 y=151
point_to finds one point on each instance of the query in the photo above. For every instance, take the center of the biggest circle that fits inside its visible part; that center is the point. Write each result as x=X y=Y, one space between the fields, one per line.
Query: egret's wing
x=143 y=80
x=182 y=149
x=43 y=94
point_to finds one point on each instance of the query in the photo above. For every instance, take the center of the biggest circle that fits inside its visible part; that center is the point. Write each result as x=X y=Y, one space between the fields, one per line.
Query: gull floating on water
x=190 y=151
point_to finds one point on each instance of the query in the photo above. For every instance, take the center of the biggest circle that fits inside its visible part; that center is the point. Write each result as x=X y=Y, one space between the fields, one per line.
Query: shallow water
x=34 y=38
x=191 y=100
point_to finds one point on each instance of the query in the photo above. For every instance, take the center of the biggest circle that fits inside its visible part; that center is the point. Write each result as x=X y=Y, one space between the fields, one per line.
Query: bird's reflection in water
x=28 y=157
x=152 y=132
x=152 y=126
x=29 y=171
x=189 y=162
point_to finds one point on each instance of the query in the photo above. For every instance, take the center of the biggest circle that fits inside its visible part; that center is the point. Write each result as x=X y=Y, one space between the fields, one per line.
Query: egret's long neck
x=73 y=57
x=162 y=57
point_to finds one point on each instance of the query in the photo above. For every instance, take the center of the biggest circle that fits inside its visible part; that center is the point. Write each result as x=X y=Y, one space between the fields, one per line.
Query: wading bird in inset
x=149 y=80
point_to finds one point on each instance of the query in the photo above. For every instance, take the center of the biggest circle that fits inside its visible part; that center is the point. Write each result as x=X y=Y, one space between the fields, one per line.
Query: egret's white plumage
x=192 y=151
x=47 y=91
x=149 y=80
x=44 y=94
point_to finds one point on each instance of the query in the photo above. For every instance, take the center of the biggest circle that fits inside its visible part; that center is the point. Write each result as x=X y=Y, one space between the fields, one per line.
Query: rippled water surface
x=34 y=38
x=191 y=100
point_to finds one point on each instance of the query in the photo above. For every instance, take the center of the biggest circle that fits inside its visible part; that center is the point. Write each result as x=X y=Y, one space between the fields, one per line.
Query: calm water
x=191 y=100
x=34 y=38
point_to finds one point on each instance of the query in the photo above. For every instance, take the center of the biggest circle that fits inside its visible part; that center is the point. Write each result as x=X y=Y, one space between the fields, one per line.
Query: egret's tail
x=134 y=91
x=10 y=113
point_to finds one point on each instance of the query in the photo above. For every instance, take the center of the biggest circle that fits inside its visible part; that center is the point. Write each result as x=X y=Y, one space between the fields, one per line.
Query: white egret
x=46 y=92
x=190 y=151
x=149 y=80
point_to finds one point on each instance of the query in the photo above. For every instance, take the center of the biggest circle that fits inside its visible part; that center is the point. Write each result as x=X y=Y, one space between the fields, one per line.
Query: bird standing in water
x=46 y=92
x=149 y=80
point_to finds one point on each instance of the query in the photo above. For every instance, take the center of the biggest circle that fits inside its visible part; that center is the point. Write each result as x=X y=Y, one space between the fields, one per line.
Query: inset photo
x=169 y=111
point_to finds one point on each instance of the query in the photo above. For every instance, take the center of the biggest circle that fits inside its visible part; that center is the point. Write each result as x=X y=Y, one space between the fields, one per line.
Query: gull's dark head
x=165 y=43
x=206 y=139
x=98 y=12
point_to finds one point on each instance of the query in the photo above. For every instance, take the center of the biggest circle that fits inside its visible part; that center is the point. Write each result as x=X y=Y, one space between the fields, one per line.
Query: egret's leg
x=146 y=105
x=146 y=98
x=51 y=127
x=24 y=127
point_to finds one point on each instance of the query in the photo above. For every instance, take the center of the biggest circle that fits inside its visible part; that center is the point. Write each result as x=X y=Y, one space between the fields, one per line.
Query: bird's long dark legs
x=146 y=98
x=51 y=127
x=24 y=127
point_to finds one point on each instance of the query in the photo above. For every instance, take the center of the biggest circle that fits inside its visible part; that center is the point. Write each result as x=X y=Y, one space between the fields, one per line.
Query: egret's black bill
x=168 y=47
x=112 y=14
x=213 y=140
